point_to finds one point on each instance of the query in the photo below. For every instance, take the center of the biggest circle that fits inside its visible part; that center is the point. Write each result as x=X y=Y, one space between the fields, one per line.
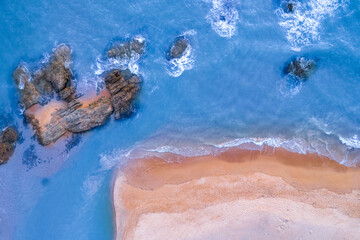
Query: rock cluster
x=300 y=67
x=8 y=139
x=55 y=77
x=38 y=88
x=178 y=47
x=127 y=49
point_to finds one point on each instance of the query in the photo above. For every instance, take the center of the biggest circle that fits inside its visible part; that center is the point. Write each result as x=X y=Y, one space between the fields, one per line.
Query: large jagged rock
x=73 y=118
x=28 y=94
x=86 y=118
x=301 y=68
x=8 y=141
x=123 y=87
x=178 y=47
x=56 y=76
x=127 y=49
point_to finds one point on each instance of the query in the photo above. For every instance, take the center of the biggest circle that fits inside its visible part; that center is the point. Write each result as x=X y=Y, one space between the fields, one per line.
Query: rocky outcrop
x=74 y=118
x=8 y=140
x=127 y=49
x=178 y=48
x=54 y=77
x=123 y=87
x=301 y=68
x=52 y=119
x=86 y=118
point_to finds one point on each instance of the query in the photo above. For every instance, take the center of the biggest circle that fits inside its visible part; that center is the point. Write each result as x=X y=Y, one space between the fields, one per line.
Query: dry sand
x=239 y=194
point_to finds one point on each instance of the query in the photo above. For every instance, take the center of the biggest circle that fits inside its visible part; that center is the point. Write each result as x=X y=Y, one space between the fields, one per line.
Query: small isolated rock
x=8 y=141
x=301 y=68
x=178 y=48
x=127 y=49
x=289 y=6
x=123 y=87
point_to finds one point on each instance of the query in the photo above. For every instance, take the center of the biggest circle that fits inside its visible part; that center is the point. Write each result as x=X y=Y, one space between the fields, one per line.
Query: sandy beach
x=238 y=194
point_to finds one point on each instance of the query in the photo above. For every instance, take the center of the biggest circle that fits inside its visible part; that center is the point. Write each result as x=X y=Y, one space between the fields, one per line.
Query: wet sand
x=239 y=194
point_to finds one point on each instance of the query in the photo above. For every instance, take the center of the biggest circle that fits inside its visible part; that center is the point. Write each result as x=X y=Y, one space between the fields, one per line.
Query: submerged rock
x=127 y=49
x=301 y=68
x=178 y=47
x=123 y=87
x=8 y=140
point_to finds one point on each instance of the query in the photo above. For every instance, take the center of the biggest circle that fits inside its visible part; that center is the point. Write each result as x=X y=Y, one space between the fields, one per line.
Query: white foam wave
x=223 y=18
x=186 y=151
x=177 y=66
x=302 y=25
x=93 y=182
x=288 y=87
x=295 y=145
x=353 y=142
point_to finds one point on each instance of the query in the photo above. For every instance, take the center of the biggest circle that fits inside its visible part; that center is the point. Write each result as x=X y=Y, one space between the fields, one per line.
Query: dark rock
x=6 y=151
x=57 y=71
x=301 y=68
x=7 y=144
x=67 y=94
x=178 y=48
x=123 y=91
x=127 y=49
x=9 y=135
x=289 y=6
x=28 y=94
x=56 y=76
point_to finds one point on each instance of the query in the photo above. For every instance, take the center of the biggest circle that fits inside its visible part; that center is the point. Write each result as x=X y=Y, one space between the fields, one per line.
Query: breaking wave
x=303 y=24
x=353 y=142
x=103 y=64
x=177 y=66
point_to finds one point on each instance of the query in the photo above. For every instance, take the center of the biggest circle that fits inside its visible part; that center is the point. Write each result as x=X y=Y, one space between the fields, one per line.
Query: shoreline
x=315 y=186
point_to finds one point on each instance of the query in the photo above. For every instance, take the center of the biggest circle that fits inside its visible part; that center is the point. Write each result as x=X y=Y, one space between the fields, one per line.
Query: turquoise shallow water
x=232 y=90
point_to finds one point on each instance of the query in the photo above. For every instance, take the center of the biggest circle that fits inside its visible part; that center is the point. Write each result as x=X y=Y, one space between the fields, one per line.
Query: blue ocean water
x=230 y=89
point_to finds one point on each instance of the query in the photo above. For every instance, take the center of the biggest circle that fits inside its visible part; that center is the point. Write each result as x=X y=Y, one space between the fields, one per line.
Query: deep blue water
x=232 y=91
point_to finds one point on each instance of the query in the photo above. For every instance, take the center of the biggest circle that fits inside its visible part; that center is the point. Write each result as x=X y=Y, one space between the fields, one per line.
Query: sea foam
x=353 y=142
x=223 y=18
x=177 y=66
x=302 y=26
